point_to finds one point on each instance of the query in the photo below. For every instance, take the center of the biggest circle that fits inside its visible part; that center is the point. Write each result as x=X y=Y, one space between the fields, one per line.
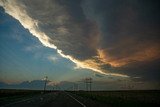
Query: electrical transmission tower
x=45 y=83
x=75 y=87
x=88 y=82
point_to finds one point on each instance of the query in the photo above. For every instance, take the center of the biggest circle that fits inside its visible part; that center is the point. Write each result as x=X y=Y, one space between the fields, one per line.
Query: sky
x=23 y=57
x=69 y=40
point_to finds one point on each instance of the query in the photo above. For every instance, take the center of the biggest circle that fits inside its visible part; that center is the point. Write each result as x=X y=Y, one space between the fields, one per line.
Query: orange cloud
x=146 y=54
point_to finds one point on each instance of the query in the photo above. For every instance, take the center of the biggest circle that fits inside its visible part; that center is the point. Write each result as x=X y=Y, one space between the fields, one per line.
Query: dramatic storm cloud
x=109 y=37
x=129 y=30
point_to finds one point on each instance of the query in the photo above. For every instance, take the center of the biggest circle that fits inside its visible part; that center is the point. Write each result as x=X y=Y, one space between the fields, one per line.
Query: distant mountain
x=35 y=84
x=39 y=85
x=67 y=85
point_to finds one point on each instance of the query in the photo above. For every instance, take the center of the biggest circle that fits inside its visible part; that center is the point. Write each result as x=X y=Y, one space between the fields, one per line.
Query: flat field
x=37 y=98
x=128 y=98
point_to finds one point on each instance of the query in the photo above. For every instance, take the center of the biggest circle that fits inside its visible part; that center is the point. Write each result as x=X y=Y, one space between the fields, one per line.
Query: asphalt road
x=54 y=99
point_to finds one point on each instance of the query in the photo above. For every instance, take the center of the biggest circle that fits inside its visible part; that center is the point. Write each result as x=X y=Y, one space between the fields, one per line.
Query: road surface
x=54 y=99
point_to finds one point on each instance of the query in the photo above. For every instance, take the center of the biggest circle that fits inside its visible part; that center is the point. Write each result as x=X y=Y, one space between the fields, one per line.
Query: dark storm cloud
x=144 y=70
x=64 y=22
x=127 y=27
x=129 y=34
x=106 y=36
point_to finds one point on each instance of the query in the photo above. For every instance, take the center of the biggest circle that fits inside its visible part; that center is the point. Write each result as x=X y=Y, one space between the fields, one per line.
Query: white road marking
x=75 y=99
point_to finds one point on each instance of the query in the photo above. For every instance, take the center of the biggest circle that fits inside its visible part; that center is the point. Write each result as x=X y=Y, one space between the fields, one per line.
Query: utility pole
x=75 y=87
x=45 y=83
x=88 y=83
x=85 y=81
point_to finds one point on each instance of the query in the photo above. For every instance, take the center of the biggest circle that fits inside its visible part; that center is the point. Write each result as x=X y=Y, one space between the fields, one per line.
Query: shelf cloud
x=101 y=35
